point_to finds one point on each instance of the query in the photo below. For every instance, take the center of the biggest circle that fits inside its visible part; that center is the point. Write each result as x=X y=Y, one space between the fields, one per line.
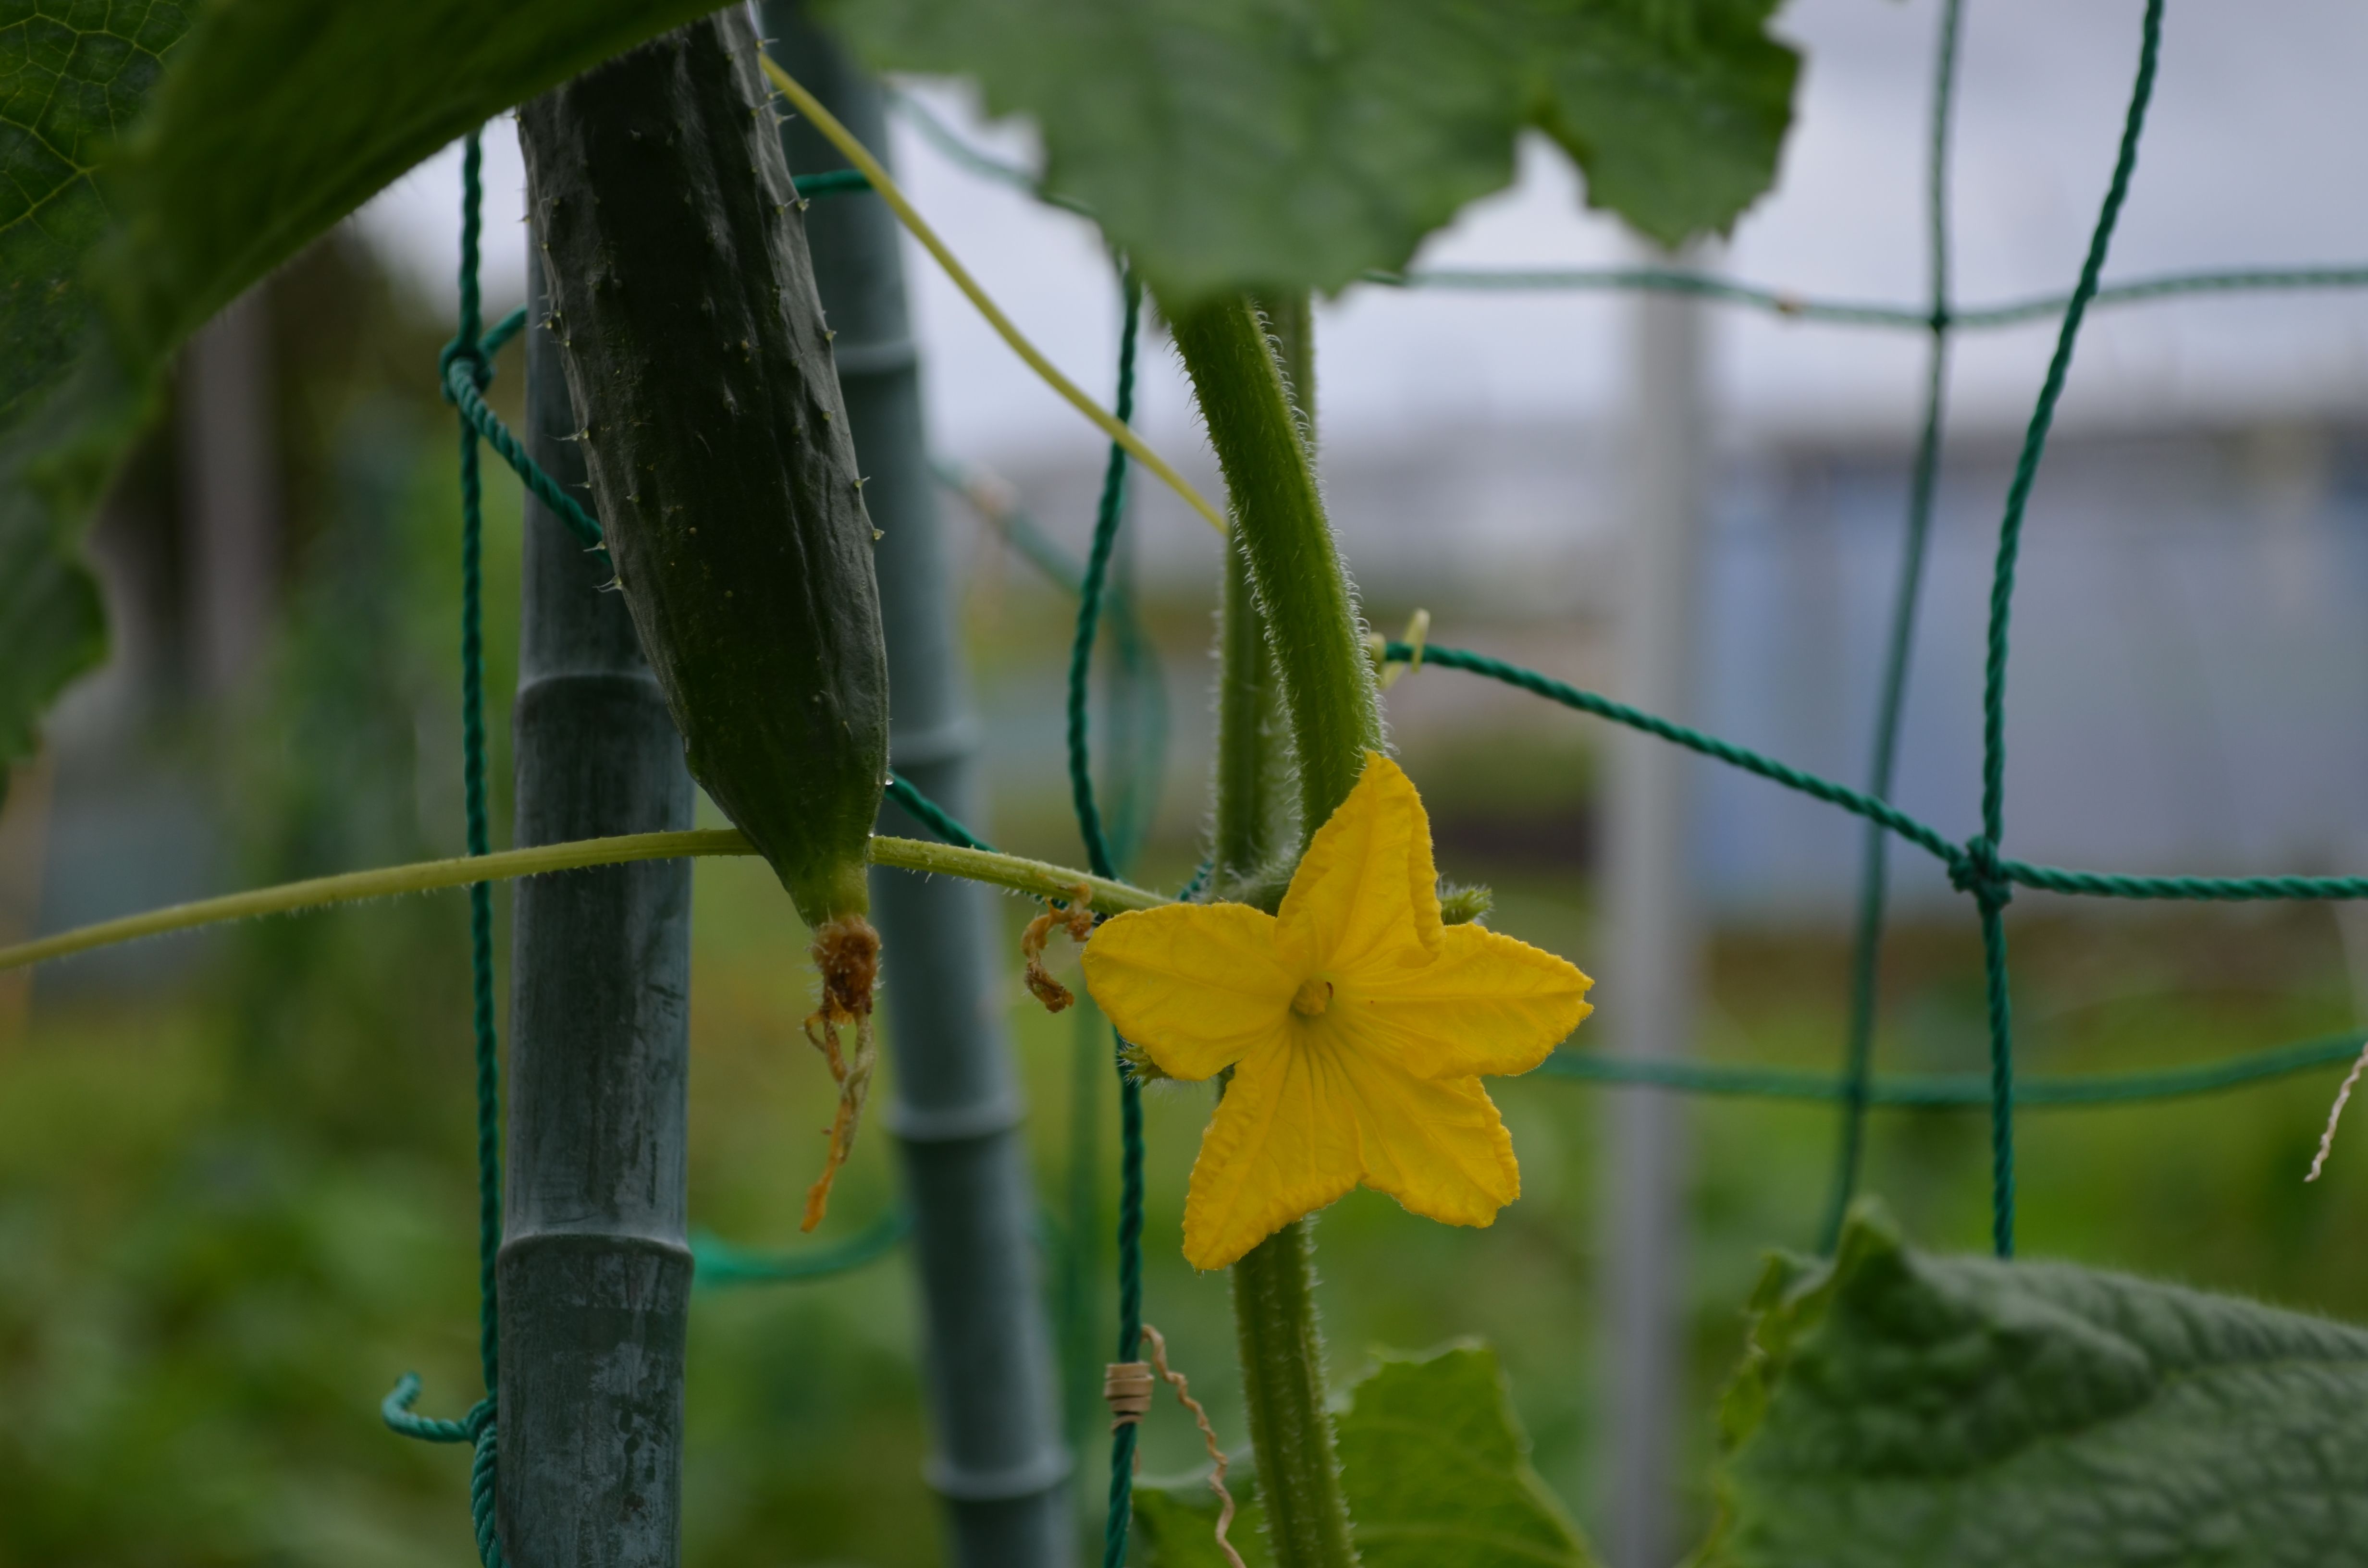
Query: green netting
x=1976 y=866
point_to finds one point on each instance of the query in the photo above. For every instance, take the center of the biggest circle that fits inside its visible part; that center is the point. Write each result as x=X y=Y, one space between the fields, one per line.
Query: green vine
x=1014 y=873
x=1322 y=672
x=1252 y=810
x=1290 y=636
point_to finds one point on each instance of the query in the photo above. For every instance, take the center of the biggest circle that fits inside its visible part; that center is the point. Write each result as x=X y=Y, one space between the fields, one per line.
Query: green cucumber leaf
x=280 y=116
x=1294 y=144
x=1963 y=1413
x=73 y=75
x=1175 y=1524
x=1435 y=1469
x=153 y=176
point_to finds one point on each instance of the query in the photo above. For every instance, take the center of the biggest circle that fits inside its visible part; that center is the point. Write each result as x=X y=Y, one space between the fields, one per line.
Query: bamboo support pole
x=997 y=1457
x=595 y=1268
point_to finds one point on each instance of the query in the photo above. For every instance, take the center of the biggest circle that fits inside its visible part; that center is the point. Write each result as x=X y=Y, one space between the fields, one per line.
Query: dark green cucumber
x=720 y=465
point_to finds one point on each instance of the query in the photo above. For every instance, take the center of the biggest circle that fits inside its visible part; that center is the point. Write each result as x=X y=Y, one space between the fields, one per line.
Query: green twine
x=1866 y=946
x=933 y=816
x=1959 y=1091
x=1989 y=889
x=465 y=371
x=1922 y=835
x=1845 y=312
x=478 y=420
x=833 y=182
x=472 y=770
x=718 y=1264
x=1109 y=516
x=1956 y=860
x=1139 y=684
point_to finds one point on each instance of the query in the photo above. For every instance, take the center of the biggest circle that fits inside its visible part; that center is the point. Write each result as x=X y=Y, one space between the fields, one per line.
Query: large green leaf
x=280 y=116
x=1294 y=143
x=73 y=75
x=1959 y=1413
x=1436 y=1471
x=160 y=176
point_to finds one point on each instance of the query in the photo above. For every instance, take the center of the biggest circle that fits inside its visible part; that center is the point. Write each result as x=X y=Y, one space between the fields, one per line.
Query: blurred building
x=290 y=432
x=2189 y=646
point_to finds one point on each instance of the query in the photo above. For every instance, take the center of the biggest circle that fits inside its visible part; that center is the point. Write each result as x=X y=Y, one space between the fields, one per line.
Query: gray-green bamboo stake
x=594 y=1269
x=999 y=1460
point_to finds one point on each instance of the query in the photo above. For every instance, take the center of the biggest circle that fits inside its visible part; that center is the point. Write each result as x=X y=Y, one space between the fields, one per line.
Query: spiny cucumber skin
x=721 y=462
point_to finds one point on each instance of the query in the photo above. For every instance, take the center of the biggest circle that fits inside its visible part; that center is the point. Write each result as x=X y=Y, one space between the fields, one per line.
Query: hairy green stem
x=1037 y=878
x=1283 y=1394
x=1294 y=568
x=1252 y=819
x=1253 y=815
x=1291 y=327
x=1290 y=633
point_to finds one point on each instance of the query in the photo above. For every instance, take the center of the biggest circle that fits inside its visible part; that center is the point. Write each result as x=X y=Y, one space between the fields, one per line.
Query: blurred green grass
x=232 y=1217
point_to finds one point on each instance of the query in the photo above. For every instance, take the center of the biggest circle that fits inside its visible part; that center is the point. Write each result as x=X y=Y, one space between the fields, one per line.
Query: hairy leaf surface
x=1436 y=1471
x=1963 y=1413
x=1295 y=143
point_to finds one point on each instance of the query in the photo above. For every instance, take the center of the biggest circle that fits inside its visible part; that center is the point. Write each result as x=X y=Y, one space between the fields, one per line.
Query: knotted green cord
x=1984 y=877
x=1867 y=940
x=478 y=420
x=1952 y=858
x=465 y=371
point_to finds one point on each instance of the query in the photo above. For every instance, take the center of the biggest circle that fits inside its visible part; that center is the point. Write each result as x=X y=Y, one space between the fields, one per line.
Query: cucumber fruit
x=724 y=473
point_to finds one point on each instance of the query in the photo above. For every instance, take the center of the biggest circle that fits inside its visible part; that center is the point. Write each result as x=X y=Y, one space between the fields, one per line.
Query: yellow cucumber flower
x=1357 y=1025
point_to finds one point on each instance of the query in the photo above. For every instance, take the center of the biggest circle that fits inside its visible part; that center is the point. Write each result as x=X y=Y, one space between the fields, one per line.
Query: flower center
x=1311 y=997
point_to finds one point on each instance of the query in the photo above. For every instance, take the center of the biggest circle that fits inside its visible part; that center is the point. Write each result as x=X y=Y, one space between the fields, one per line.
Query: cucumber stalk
x=1321 y=663
x=1253 y=807
x=1289 y=631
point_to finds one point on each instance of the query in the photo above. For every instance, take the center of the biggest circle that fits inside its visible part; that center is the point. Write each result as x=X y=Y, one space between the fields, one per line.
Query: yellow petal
x=1436 y=1146
x=1366 y=890
x=1284 y=1144
x=1196 y=986
x=1488 y=1003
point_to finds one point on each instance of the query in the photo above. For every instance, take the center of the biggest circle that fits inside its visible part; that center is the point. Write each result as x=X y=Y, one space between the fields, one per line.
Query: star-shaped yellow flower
x=1357 y=1025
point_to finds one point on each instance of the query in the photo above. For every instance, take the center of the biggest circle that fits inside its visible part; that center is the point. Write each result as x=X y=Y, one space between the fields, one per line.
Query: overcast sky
x=2251 y=158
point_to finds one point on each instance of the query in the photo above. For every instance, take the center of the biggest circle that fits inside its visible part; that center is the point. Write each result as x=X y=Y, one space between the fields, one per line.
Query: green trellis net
x=1977 y=867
